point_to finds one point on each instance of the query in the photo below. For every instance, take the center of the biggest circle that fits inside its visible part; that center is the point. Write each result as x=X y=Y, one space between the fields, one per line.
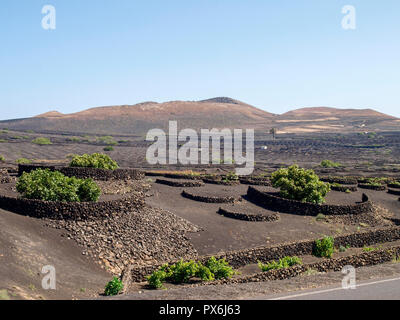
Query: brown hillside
x=221 y=112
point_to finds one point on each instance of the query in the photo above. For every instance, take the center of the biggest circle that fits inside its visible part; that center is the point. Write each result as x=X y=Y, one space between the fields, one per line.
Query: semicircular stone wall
x=275 y=203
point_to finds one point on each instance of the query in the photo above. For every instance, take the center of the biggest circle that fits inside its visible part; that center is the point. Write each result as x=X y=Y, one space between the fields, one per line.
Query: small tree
x=300 y=184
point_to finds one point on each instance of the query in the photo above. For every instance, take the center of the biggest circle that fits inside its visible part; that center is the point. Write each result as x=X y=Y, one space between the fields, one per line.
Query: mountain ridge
x=219 y=112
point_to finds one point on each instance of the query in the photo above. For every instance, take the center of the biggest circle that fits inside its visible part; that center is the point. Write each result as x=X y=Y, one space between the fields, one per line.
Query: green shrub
x=204 y=273
x=330 y=164
x=231 y=176
x=23 y=161
x=109 y=148
x=183 y=272
x=107 y=140
x=43 y=184
x=95 y=160
x=114 y=287
x=74 y=139
x=344 y=248
x=2 y=159
x=42 y=141
x=3 y=141
x=324 y=247
x=320 y=217
x=220 y=268
x=300 y=184
x=88 y=190
x=283 y=263
x=156 y=279
x=369 y=249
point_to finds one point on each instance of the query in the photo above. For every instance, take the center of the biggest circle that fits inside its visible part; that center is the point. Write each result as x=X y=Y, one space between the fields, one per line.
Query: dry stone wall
x=272 y=201
x=84 y=173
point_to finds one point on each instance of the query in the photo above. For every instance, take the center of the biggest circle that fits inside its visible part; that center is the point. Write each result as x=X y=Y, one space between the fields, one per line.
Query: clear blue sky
x=276 y=55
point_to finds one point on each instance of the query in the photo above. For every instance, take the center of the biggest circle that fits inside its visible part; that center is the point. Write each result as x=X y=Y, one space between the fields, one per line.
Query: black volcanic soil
x=26 y=245
x=224 y=234
x=357 y=153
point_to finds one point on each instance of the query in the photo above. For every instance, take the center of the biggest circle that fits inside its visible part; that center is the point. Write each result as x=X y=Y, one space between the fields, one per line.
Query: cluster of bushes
x=42 y=141
x=324 y=247
x=43 y=184
x=283 y=263
x=300 y=184
x=330 y=164
x=95 y=160
x=182 y=272
x=376 y=182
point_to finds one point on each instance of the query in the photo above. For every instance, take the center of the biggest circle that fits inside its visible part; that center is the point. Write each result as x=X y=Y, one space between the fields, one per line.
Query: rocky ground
x=146 y=236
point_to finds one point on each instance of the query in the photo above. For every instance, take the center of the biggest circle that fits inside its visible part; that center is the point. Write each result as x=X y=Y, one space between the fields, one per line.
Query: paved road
x=385 y=289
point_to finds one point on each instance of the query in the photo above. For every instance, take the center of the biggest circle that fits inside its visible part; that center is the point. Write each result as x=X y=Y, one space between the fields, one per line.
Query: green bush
x=114 y=287
x=109 y=148
x=324 y=247
x=23 y=161
x=74 y=139
x=330 y=164
x=156 y=279
x=220 y=268
x=41 y=141
x=205 y=274
x=320 y=217
x=95 y=160
x=231 y=176
x=183 y=272
x=2 y=159
x=43 y=184
x=107 y=140
x=300 y=184
x=283 y=263
x=376 y=182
